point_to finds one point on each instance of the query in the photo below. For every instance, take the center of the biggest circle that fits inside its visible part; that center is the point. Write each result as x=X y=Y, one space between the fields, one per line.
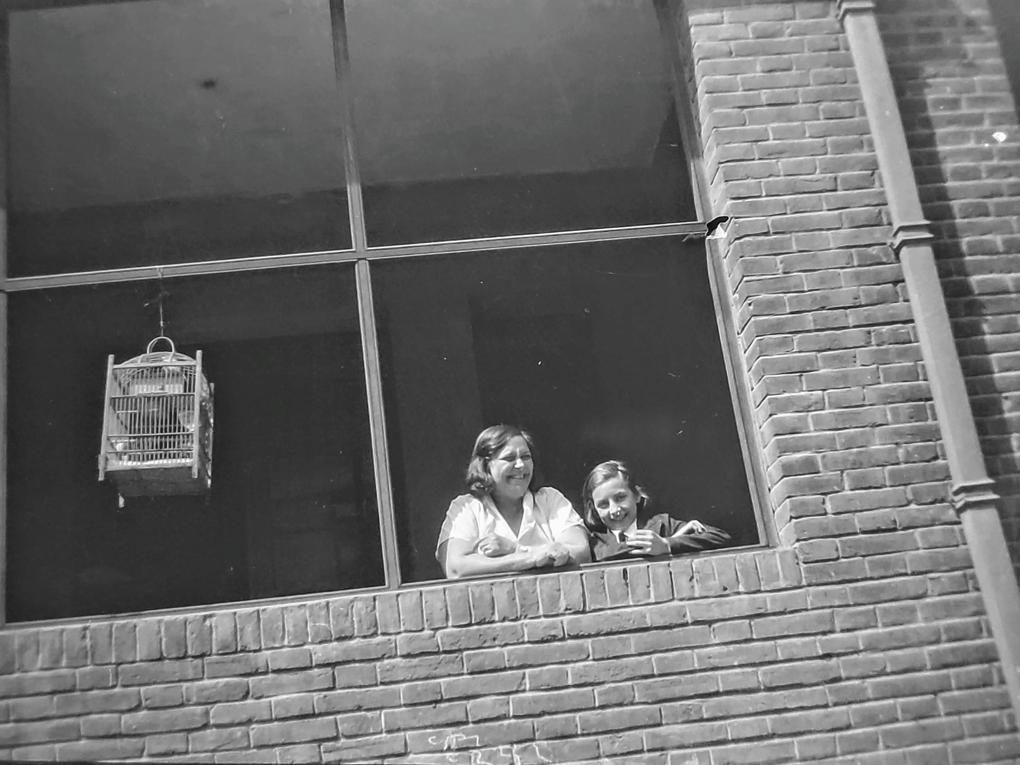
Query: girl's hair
x=489 y=443
x=601 y=473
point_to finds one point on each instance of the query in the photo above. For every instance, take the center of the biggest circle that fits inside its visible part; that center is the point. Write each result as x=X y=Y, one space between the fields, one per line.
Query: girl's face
x=511 y=469
x=615 y=503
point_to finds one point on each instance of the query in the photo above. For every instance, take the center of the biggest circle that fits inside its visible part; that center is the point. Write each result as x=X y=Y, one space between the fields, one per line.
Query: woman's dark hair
x=489 y=443
x=601 y=473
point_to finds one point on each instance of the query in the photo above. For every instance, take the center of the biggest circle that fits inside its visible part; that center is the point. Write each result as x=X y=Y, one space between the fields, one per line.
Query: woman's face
x=511 y=469
x=615 y=503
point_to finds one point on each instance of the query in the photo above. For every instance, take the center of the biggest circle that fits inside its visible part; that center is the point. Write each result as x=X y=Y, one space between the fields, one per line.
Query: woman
x=504 y=523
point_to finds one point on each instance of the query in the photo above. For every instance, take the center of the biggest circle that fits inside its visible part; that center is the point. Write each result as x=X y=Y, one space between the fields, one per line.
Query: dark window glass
x=292 y=507
x=179 y=130
x=493 y=117
x=604 y=351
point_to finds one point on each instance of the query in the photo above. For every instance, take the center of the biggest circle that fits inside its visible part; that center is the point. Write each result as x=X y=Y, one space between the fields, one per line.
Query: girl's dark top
x=605 y=546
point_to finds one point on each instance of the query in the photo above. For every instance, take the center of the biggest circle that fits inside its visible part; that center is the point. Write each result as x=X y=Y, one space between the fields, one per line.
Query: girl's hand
x=645 y=542
x=692 y=527
x=495 y=546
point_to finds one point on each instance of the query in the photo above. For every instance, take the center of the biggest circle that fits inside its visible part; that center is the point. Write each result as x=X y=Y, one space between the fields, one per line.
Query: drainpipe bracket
x=911 y=233
x=854 y=6
x=973 y=494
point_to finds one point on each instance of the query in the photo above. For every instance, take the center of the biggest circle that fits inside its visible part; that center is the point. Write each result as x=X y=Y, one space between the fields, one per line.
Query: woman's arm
x=462 y=560
x=570 y=536
x=574 y=539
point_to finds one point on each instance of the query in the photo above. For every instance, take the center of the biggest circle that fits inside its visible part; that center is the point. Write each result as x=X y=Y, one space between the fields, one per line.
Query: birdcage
x=158 y=424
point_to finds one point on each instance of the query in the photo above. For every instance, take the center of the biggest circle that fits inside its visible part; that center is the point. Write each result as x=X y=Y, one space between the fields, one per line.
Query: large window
x=385 y=225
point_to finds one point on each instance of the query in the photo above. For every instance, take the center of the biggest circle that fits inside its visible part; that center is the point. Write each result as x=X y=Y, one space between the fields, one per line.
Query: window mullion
x=366 y=308
x=342 y=63
x=377 y=423
x=4 y=153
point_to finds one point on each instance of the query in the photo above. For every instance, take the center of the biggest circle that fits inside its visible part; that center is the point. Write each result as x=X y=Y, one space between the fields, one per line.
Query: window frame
x=362 y=255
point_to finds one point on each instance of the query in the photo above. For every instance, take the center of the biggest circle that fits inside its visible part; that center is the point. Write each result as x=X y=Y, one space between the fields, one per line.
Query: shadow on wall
x=959 y=114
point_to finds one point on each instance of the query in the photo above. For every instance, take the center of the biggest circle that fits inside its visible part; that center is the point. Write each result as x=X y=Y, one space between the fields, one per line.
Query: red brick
x=165 y=744
x=240 y=712
x=671 y=688
x=91 y=751
x=479 y=637
x=529 y=704
x=100 y=645
x=546 y=653
x=162 y=696
x=291 y=682
x=420 y=668
x=160 y=672
x=216 y=691
x=412 y=615
x=364 y=748
x=424 y=716
x=249 y=630
x=686 y=736
x=164 y=721
x=356 y=700
x=198 y=635
x=298 y=705
x=296 y=731
x=603 y=720
x=218 y=739
x=288 y=658
x=235 y=665
x=488 y=684
x=341 y=618
x=364 y=613
x=387 y=613
x=320 y=629
x=367 y=649
x=493 y=708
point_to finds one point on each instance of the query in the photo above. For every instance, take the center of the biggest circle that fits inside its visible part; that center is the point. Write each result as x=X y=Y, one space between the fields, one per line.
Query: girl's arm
x=694 y=536
x=462 y=560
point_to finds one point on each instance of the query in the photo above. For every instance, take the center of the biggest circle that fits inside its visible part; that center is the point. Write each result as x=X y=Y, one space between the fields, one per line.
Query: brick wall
x=717 y=659
x=961 y=125
x=862 y=639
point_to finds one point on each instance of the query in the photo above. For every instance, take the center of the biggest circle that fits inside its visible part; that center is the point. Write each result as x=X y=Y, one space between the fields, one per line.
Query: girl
x=504 y=523
x=616 y=511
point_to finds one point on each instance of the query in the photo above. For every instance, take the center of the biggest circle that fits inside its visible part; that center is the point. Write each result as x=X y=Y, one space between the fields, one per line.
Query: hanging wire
x=162 y=293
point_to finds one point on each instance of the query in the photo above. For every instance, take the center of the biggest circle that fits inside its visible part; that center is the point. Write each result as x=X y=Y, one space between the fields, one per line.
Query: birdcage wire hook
x=162 y=293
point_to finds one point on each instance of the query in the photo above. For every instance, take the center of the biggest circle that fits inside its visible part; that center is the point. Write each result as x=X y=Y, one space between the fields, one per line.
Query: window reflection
x=606 y=351
x=178 y=130
x=513 y=116
x=292 y=508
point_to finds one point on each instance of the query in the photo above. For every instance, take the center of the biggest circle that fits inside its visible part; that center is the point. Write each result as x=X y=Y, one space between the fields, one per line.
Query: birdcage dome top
x=153 y=357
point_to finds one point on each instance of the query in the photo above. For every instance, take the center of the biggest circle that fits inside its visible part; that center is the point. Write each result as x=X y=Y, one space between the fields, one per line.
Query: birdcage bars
x=157 y=428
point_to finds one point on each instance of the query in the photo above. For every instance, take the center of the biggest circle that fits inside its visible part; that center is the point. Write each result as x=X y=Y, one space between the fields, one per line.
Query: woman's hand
x=692 y=527
x=645 y=542
x=495 y=546
x=558 y=553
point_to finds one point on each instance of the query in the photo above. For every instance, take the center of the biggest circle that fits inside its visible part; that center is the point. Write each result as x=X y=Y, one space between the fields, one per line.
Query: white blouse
x=547 y=514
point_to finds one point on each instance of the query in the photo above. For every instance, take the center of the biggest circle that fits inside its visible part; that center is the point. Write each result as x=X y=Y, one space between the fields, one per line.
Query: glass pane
x=603 y=351
x=292 y=507
x=176 y=130
x=491 y=117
